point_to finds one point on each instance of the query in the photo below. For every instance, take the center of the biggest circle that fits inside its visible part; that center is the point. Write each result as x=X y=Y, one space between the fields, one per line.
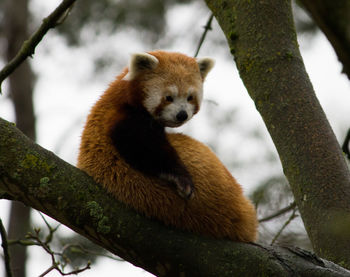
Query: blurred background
x=50 y=96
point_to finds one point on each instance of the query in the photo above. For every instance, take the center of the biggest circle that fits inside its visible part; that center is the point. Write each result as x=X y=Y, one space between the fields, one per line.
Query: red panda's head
x=171 y=84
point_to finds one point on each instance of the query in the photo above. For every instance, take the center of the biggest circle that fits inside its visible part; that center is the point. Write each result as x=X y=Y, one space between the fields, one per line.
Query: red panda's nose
x=182 y=116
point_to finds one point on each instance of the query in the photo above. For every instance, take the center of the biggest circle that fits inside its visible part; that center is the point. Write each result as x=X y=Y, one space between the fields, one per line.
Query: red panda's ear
x=205 y=65
x=139 y=62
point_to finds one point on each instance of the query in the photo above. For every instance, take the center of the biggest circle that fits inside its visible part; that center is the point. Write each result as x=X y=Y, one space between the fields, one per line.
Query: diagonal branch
x=289 y=220
x=28 y=47
x=346 y=145
x=6 y=251
x=207 y=28
x=333 y=17
x=279 y=212
x=39 y=179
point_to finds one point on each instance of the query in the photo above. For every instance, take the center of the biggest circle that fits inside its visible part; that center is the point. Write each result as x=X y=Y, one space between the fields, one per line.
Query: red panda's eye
x=190 y=98
x=169 y=98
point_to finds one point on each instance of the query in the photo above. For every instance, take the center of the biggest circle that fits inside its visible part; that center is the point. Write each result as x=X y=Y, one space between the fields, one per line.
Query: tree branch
x=54 y=264
x=207 y=28
x=38 y=178
x=346 y=145
x=28 y=47
x=262 y=38
x=278 y=213
x=333 y=19
x=289 y=220
x=6 y=251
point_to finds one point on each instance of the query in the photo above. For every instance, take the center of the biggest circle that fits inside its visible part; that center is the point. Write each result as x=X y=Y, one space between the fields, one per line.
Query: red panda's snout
x=182 y=116
x=175 y=111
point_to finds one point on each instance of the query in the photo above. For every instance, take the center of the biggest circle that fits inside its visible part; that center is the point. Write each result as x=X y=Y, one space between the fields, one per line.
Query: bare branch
x=78 y=247
x=28 y=47
x=51 y=230
x=292 y=216
x=34 y=239
x=55 y=264
x=346 y=145
x=207 y=27
x=278 y=213
x=6 y=251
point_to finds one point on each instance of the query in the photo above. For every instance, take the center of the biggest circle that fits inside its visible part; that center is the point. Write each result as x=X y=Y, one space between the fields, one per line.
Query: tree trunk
x=262 y=38
x=38 y=178
x=21 y=90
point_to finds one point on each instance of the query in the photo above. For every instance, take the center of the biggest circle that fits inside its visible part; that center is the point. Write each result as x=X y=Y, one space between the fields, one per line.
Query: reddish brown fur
x=218 y=208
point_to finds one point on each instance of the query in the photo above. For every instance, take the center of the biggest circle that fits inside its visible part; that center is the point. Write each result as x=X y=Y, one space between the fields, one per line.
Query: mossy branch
x=37 y=178
x=28 y=46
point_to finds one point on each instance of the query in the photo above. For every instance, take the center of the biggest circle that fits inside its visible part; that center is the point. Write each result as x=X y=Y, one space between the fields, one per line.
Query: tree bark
x=21 y=93
x=262 y=38
x=333 y=18
x=37 y=178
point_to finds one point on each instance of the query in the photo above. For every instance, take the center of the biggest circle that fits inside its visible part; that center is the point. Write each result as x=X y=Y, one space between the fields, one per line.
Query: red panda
x=167 y=176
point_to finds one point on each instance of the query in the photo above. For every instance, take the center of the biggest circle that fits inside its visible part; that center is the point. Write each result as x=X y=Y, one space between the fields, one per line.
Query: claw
x=185 y=192
x=184 y=185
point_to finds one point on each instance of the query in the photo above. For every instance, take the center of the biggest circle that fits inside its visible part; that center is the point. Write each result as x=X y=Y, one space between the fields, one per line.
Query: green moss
x=44 y=187
x=95 y=209
x=96 y=212
x=248 y=65
x=44 y=181
x=32 y=161
x=102 y=226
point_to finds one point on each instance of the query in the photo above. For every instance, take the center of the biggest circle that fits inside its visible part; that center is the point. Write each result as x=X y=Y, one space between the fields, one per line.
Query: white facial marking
x=154 y=97
x=174 y=90
x=197 y=92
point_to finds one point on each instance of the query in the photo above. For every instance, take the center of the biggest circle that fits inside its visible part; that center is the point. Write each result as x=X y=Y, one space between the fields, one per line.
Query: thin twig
x=278 y=213
x=22 y=242
x=6 y=251
x=28 y=46
x=52 y=267
x=207 y=27
x=51 y=230
x=346 y=145
x=86 y=251
x=55 y=265
x=292 y=216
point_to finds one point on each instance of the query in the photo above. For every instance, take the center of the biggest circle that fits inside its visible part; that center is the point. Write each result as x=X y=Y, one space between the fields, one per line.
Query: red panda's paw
x=185 y=187
x=184 y=184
